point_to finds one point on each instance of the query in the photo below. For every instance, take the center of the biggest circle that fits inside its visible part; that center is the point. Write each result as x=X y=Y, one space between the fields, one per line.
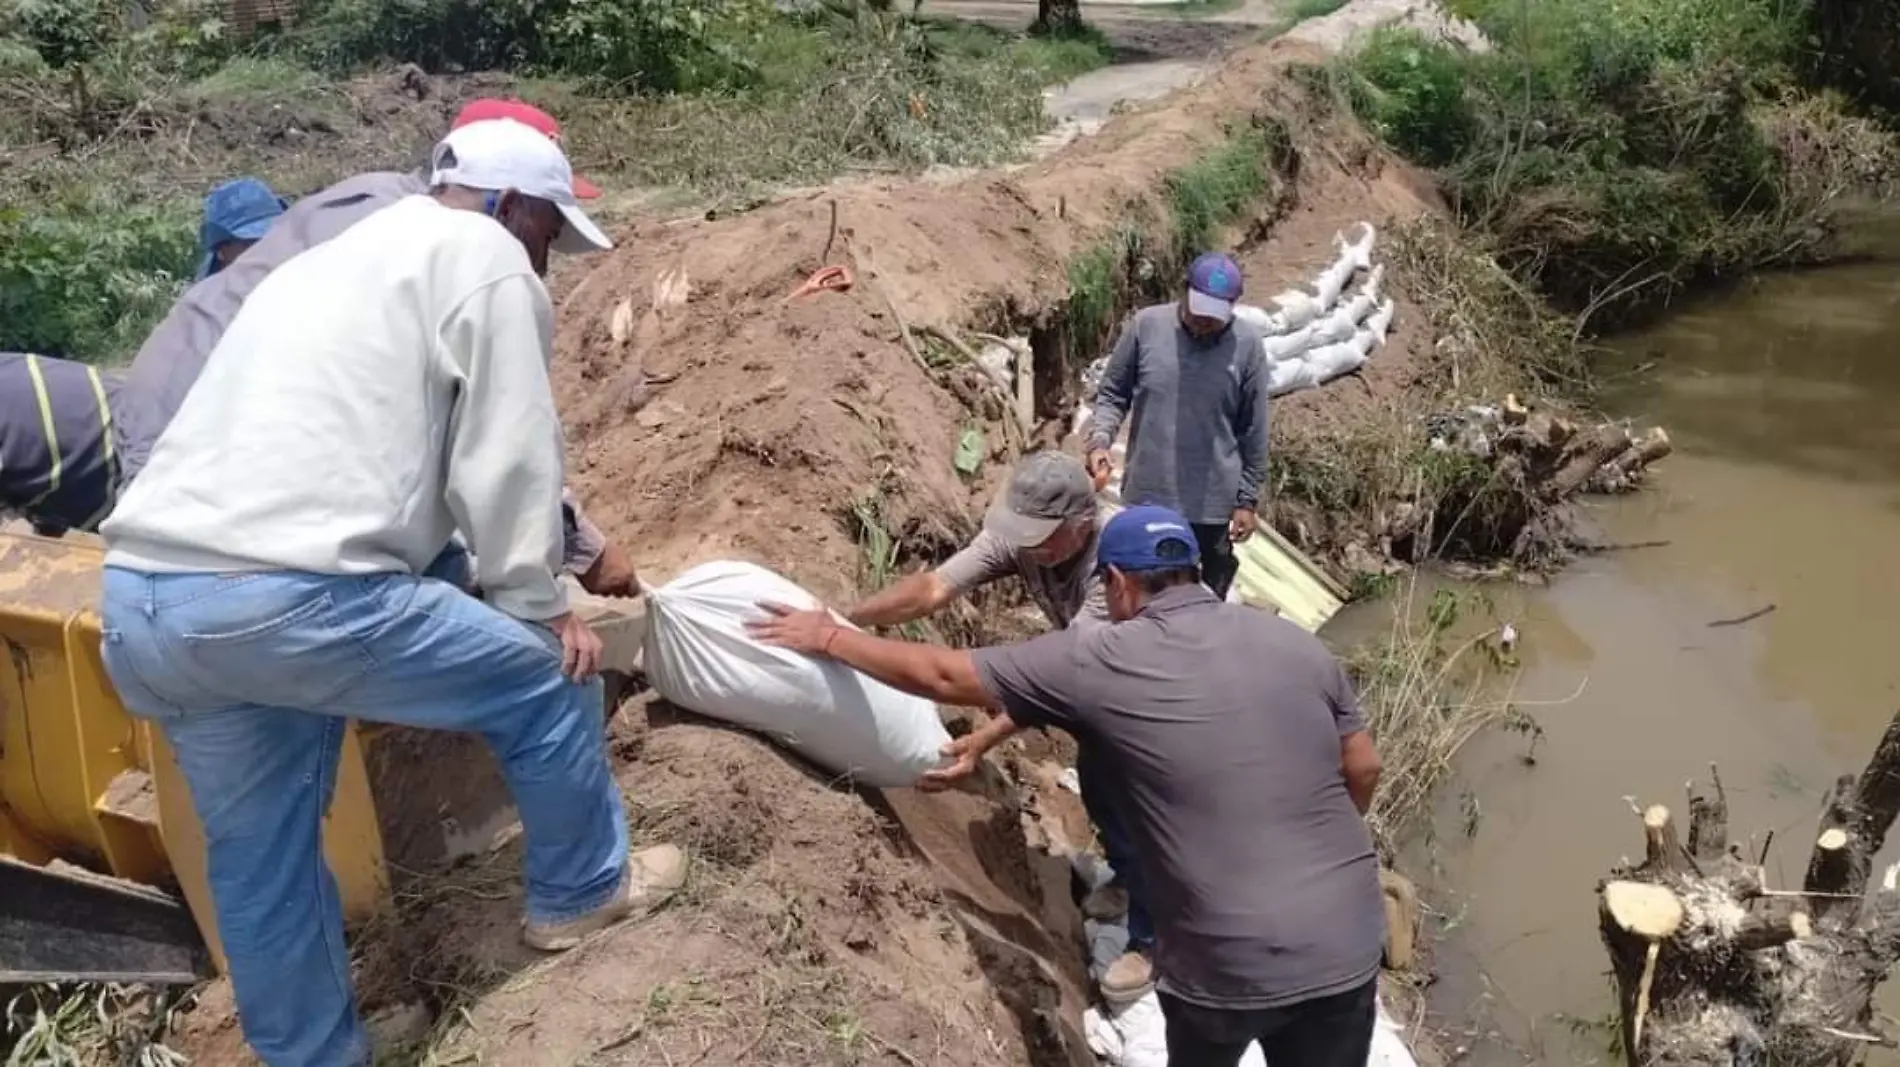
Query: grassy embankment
x=113 y=133
x=1618 y=154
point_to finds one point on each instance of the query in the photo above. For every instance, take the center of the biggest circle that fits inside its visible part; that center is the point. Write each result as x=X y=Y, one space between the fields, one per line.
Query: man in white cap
x=264 y=579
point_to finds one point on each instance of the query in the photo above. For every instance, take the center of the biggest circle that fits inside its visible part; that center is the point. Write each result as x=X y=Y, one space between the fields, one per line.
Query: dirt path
x=1158 y=49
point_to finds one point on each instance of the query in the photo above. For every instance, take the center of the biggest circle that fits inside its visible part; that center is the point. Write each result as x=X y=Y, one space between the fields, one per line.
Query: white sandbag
x=1290 y=376
x=1332 y=361
x=699 y=656
x=1374 y=282
x=1388 y=1047
x=1360 y=306
x=1137 y=1035
x=1334 y=328
x=1287 y=345
x=1331 y=282
x=1358 y=251
x=1257 y=318
x=1296 y=309
x=1381 y=321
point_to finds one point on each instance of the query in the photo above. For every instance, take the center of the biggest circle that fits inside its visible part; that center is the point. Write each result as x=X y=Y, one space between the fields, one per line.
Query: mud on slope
x=825 y=926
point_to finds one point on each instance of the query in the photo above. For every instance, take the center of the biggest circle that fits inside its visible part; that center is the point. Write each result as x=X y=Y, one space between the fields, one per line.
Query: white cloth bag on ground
x=1136 y=1036
x=698 y=655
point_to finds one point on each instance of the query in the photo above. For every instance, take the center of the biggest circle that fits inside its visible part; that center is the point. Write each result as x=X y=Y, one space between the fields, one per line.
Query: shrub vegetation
x=115 y=118
x=1619 y=152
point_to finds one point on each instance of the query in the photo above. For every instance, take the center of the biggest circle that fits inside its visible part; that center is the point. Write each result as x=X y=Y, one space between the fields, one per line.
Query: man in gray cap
x=1043 y=528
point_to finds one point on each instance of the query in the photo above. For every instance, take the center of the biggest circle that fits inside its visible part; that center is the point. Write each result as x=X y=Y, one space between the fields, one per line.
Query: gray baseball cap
x=1045 y=490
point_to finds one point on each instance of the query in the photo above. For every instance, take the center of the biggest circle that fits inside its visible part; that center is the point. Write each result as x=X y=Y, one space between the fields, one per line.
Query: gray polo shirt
x=1069 y=592
x=174 y=355
x=1197 y=442
x=1223 y=725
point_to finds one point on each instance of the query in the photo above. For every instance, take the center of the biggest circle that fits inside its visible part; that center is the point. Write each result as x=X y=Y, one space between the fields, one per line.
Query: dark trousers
x=1099 y=794
x=1333 y=1031
x=1218 y=564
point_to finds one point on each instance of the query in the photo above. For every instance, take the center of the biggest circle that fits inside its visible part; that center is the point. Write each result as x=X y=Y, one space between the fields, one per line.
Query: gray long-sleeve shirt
x=174 y=355
x=1198 y=439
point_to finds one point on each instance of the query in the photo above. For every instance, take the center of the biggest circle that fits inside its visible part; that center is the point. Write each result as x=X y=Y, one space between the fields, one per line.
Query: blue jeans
x=253 y=677
x=1118 y=848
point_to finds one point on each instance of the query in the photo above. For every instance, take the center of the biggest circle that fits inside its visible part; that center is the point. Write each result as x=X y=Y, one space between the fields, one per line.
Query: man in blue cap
x=1191 y=382
x=238 y=214
x=1247 y=769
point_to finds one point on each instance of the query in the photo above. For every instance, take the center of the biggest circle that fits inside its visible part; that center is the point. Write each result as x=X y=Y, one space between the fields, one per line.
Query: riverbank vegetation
x=116 y=118
x=1619 y=153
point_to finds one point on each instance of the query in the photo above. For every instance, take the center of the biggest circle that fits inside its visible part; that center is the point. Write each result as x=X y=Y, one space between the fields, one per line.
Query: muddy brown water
x=1784 y=491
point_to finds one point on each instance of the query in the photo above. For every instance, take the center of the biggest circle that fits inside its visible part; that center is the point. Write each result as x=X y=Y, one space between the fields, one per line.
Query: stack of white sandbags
x=1311 y=338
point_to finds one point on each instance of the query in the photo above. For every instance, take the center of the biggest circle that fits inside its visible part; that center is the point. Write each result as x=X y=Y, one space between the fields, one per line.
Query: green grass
x=1621 y=152
x=1216 y=189
x=253 y=77
x=1195 y=9
x=1141 y=259
x=1301 y=10
x=1050 y=58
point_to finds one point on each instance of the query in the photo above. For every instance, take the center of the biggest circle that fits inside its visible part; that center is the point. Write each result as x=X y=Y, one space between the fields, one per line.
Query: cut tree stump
x=1713 y=969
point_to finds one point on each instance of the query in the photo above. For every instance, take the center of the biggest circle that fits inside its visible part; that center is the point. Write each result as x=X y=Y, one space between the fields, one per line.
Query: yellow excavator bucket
x=90 y=795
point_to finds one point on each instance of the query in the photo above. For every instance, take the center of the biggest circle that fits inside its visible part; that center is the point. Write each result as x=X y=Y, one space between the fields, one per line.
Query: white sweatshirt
x=374 y=394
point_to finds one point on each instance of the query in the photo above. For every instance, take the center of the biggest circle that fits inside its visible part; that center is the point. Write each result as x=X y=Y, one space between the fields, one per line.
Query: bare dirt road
x=1159 y=47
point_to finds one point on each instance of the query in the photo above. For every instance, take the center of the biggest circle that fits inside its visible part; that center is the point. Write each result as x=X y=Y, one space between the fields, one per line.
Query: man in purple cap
x=1246 y=767
x=1191 y=382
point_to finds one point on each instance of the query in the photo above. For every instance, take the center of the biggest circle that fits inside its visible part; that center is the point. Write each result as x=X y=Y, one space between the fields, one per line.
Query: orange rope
x=833 y=279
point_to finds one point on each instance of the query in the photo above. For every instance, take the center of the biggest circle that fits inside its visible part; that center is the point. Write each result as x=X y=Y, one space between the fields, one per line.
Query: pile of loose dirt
x=824 y=926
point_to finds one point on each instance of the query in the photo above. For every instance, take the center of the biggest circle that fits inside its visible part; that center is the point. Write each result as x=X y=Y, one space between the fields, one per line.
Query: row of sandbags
x=1308 y=339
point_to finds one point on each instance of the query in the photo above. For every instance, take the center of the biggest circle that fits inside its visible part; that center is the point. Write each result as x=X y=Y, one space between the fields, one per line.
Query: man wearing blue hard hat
x=1247 y=769
x=238 y=214
x=1191 y=384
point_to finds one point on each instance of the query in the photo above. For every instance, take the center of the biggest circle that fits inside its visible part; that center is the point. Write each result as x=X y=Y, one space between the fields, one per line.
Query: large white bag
x=699 y=656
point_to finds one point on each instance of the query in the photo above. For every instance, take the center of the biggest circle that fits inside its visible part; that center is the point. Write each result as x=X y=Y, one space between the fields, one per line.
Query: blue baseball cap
x=238 y=210
x=1146 y=538
x=1214 y=285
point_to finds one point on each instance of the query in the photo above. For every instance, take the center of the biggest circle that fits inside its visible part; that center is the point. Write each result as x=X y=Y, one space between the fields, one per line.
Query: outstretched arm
x=913 y=597
x=945 y=675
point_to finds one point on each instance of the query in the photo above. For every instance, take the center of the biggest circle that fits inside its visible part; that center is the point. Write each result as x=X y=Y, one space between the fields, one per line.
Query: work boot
x=1129 y=978
x=653 y=875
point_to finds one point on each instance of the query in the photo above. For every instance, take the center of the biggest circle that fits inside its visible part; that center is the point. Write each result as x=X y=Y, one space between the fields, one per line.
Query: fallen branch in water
x=1740 y=619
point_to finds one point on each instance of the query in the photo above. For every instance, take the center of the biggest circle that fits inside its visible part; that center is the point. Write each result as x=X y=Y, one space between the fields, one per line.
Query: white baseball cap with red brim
x=498 y=155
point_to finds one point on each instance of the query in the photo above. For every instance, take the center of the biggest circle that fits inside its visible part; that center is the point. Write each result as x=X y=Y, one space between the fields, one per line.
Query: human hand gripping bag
x=698 y=655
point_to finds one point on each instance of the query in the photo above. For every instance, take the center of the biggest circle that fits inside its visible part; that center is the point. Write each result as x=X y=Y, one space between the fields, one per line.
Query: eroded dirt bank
x=821 y=925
